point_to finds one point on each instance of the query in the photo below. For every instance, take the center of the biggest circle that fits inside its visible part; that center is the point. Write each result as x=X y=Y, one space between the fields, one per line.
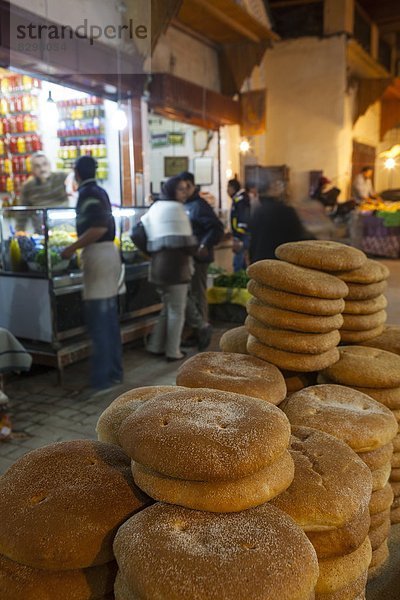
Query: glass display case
x=41 y=293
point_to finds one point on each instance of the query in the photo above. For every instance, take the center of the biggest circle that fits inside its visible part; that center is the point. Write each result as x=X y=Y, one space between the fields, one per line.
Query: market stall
x=376 y=229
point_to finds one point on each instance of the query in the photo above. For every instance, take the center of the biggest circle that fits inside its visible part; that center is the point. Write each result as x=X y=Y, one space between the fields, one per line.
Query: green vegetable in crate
x=234 y=280
x=127 y=245
x=40 y=258
x=61 y=239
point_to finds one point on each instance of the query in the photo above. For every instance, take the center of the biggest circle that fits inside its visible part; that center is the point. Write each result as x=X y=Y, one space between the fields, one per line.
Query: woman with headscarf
x=171 y=244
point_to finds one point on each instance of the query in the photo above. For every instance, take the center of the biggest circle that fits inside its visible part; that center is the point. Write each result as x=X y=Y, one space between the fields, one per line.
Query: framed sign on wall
x=203 y=170
x=173 y=165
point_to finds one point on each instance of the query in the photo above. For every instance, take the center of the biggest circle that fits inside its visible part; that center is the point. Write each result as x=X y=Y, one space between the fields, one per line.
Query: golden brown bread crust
x=331 y=484
x=122 y=590
x=379 y=534
x=377 y=458
x=381 y=500
x=379 y=556
x=395 y=516
x=284 y=276
x=380 y=477
x=365 y=307
x=89 y=483
x=388 y=340
x=218 y=496
x=371 y=271
x=338 y=572
x=351 y=416
x=353 y=591
x=361 y=291
x=365 y=367
x=379 y=518
x=390 y=397
x=19 y=582
x=343 y=540
x=295 y=302
x=232 y=372
x=297 y=381
x=205 y=435
x=396 y=443
x=395 y=460
x=204 y=555
x=291 y=361
x=290 y=320
x=292 y=341
x=396 y=488
x=364 y=322
x=354 y=337
x=323 y=255
x=395 y=475
x=111 y=418
x=234 y=340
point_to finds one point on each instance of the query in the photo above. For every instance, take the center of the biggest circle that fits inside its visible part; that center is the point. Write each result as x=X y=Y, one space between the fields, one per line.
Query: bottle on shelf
x=21 y=146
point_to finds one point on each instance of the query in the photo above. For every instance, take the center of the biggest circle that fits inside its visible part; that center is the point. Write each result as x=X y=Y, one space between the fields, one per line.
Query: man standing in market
x=363 y=189
x=208 y=230
x=101 y=274
x=240 y=217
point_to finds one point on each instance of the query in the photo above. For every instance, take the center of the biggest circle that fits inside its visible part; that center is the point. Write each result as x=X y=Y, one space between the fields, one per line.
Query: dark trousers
x=197 y=305
x=103 y=325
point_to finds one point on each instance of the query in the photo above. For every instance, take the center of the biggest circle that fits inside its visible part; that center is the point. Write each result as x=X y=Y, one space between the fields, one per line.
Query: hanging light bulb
x=390 y=163
x=51 y=110
x=244 y=146
x=119 y=119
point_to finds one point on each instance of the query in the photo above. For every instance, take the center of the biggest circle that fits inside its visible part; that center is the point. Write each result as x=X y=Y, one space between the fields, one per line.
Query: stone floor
x=43 y=412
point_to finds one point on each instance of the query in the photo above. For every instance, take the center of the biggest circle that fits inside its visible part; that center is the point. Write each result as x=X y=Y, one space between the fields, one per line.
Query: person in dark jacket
x=101 y=274
x=240 y=216
x=273 y=223
x=171 y=245
x=208 y=231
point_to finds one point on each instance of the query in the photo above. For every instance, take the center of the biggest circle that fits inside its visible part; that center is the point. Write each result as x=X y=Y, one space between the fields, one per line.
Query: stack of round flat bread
x=176 y=553
x=294 y=316
x=368 y=428
x=329 y=498
x=388 y=340
x=364 y=312
x=208 y=449
x=375 y=372
x=234 y=340
x=60 y=508
x=233 y=372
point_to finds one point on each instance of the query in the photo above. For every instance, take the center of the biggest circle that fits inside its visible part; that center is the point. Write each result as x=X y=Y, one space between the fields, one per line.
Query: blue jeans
x=106 y=359
x=240 y=258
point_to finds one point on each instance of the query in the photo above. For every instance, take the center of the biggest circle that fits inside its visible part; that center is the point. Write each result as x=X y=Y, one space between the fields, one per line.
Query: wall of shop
x=186 y=57
x=306 y=82
x=385 y=178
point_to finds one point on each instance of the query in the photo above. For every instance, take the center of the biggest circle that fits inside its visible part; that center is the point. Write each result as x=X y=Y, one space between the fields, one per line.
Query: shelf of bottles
x=19 y=133
x=82 y=132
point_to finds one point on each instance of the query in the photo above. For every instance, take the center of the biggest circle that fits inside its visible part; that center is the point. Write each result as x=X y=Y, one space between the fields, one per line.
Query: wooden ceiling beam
x=231 y=23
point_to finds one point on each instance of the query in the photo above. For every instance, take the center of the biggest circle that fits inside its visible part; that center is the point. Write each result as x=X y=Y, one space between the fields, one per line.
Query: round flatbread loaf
x=395 y=475
x=364 y=322
x=232 y=372
x=88 y=483
x=371 y=271
x=380 y=477
x=396 y=460
x=360 y=291
x=331 y=483
x=337 y=572
x=290 y=320
x=355 y=590
x=356 y=337
x=396 y=443
x=377 y=458
x=19 y=582
x=351 y=416
x=379 y=518
x=110 y=420
x=390 y=397
x=292 y=341
x=395 y=516
x=379 y=556
x=290 y=360
x=234 y=340
x=378 y=535
x=365 y=367
x=218 y=496
x=365 y=307
x=388 y=340
x=297 y=381
x=205 y=435
x=295 y=302
x=204 y=555
x=381 y=500
x=297 y=280
x=323 y=255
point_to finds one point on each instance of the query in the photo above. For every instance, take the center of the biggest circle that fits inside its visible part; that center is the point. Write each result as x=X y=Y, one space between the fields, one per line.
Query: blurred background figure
x=208 y=231
x=326 y=193
x=240 y=217
x=170 y=242
x=273 y=223
x=363 y=188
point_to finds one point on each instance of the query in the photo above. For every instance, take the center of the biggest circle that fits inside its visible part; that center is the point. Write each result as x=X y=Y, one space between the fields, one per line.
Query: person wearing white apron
x=101 y=265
